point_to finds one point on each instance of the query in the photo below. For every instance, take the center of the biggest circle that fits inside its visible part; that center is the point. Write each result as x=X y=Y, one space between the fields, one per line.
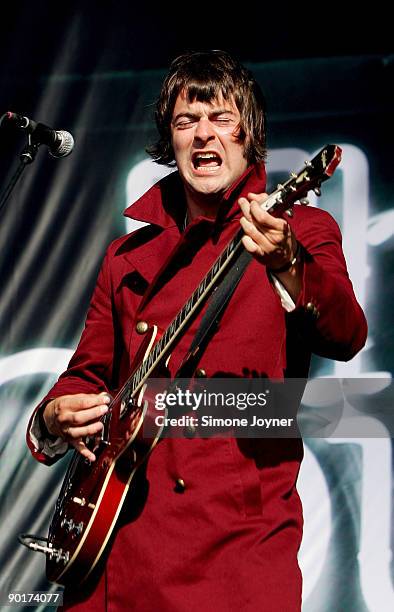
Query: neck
x=202 y=205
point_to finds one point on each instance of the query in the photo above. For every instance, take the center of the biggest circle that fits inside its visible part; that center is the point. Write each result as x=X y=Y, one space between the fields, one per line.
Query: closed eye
x=223 y=119
x=182 y=125
x=186 y=120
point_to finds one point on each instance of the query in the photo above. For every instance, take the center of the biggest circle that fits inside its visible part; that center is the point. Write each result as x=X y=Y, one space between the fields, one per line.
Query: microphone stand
x=27 y=156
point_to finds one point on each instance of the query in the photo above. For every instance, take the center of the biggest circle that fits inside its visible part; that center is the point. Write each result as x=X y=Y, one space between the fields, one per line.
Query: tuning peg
x=308 y=164
x=304 y=201
x=317 y=191
x=293 y=175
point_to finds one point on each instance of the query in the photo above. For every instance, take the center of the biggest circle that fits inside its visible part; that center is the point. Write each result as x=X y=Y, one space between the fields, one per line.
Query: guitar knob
x=317 y=191
x=78 y=528
x=304 y=201
x=68 y=524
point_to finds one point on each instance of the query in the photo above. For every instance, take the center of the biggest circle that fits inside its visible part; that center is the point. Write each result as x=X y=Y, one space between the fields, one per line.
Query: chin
x=209 y=186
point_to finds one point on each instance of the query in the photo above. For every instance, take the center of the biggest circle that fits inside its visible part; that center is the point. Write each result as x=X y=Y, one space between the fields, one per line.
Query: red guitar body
x=92 y=494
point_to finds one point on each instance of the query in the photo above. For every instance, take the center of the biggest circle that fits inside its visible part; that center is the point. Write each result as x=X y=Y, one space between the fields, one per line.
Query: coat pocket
x=247 y=477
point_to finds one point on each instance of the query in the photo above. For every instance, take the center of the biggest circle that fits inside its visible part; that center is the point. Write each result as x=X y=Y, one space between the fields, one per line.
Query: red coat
x=229 y=540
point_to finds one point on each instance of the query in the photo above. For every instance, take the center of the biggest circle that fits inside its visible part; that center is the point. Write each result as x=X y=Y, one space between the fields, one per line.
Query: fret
x=136 y=378
x=172 y=328
x=188 y=306
x=232 y=246
x=163 y=340
x=182 y=316
x=216 y=267
x=178 y=320
x=160 y=346
x=155 y=352
x=201 y=290
x=145 y=366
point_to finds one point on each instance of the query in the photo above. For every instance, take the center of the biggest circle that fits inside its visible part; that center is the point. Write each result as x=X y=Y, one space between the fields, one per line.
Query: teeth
x=199 y=158
x=206 y=156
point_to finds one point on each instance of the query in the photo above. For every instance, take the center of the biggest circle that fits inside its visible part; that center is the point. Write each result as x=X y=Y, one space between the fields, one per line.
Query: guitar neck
x=283 y=198
x=173 y=331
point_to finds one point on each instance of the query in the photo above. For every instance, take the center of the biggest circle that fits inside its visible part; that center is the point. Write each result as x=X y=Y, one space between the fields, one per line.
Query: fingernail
x=106 y=398
x=104 y=409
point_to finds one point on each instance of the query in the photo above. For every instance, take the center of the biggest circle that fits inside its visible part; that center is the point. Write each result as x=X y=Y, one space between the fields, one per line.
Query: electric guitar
x=92 y=494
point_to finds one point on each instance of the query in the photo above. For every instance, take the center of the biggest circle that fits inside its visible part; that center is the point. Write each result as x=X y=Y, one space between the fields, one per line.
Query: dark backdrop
x=95 y=69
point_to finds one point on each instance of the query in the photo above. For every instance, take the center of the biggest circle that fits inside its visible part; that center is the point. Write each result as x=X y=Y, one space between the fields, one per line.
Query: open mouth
x=209 y=161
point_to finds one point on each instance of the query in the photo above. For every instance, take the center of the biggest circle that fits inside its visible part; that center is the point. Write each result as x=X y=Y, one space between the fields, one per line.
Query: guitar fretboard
x=163 y=346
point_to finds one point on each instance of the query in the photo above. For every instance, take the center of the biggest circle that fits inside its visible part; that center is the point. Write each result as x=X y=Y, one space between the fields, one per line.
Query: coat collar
x=160 y=204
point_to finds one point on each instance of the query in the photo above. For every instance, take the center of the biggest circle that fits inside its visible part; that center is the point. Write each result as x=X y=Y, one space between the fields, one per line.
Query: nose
x=204 y=131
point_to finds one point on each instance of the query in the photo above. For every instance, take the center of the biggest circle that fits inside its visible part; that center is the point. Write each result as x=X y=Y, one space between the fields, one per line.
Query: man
x=213 y=523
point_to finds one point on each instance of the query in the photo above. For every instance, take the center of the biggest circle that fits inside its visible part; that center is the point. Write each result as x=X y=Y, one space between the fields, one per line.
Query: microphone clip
x=28 y=154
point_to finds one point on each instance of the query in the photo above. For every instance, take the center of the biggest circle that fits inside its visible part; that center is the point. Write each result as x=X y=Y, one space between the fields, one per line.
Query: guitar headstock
x=315 y=172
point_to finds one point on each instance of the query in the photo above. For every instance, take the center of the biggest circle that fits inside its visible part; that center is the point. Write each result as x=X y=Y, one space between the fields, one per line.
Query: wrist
x=290 y=264
x=46 y=433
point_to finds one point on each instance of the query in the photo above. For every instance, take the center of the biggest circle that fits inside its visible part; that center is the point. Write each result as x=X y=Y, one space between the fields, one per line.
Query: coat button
x=310 y=307
x=201 y=373
x=179 y=485
x=142 y=327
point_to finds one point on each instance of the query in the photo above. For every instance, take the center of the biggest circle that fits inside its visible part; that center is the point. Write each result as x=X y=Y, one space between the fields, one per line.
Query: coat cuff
x=285 y=298
x=45 y=449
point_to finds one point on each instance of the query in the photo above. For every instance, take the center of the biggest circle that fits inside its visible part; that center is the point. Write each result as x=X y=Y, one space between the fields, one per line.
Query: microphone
x=59 y=142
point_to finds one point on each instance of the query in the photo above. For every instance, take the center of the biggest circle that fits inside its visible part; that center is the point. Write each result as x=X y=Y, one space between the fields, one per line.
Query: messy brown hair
x=205 y=76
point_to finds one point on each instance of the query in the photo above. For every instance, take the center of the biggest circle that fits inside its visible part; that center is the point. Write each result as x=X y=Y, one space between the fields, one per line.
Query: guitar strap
x=216 y=307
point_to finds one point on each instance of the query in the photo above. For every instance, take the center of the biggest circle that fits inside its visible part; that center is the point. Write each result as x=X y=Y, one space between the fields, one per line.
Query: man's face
x=208 y=153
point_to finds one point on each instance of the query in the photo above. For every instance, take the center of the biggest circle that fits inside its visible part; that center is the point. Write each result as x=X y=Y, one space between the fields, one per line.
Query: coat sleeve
x=90 y=368
x=327 y=313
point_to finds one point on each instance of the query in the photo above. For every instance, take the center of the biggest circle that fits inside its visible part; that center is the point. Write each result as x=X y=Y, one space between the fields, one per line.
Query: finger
x=73 y=433
x=81 y=447
x=252 y=231
x=83 y=401
x=264 y=219
x=258 y=197
x=244 y=205
x=83 y=417
x=251 y=246
x=266 y=243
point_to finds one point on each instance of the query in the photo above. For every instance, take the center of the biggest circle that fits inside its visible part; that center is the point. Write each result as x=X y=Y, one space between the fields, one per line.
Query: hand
x=74 y=417
x=268 y=238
